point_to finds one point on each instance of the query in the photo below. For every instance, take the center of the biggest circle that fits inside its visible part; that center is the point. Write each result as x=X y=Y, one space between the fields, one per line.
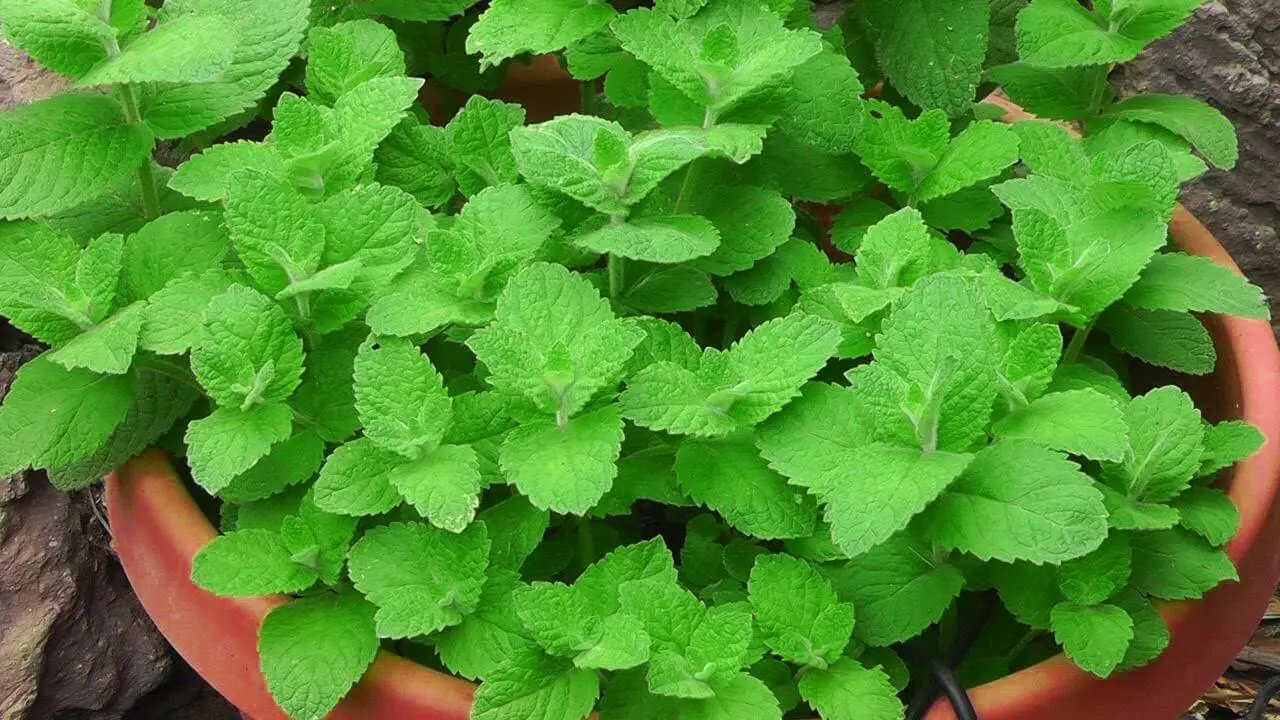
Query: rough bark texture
x=1229 y=55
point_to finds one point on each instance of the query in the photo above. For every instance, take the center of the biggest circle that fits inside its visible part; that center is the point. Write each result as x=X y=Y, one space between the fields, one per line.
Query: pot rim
x=158 y=529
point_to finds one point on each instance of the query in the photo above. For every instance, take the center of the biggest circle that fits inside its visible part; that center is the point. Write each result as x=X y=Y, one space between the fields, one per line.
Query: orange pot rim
x=158 y=529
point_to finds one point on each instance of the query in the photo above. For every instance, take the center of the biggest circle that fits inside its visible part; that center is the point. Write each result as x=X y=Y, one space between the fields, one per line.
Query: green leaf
x=1079 y=422
x=648 y=560
x=1208 y=513
x=274 y=230
x=289 y=463
x=488 y=636
x=173 y=318
x=940 y=340
x=1176 y=340
x=1095 y=577
x=756 y=50
x=1177 y=565
x=443 y=484
x=981 y=151
x=753 y=222
x=1071 y=93
x=267 y=32
x=1062 y=33
x=1048 y=149
x=400 y=397
x=355 y=480
x=158 y=402
x=1227 y=443
x=898 y=250
x=531 y=685
x=1019 y=501
x=514 y=27
x=797 y=261
x=247 y=353
x=554 y=340
x=798 y=613
x=849 y=691
x=229 y=441
x=1028 y=591
x=1150 y=634
x=1117 y=136
x=931 y=50
x=1200 y=124
x=107 y=347
x=755 y=378
x=668 y=289
x=1128 y=514
x=53 y=416
x=342 y=56
x=190 y=49
x=566 y=467
x=169 y=246
x=1166 y=440
x=314 y=649
x=61 y=35
x=663 y=239
x=205 y=176
x=729 y=477
x=901 y=152
x=373 y=225
x=1095 y=637
x=415 y=158
x=479 y=145
x=516 y=528
x=1181 y=282
x=248 y=563
x=422 y=579
x=823 y=105
x=38 y=289
x=64 y=151
x=898 y=590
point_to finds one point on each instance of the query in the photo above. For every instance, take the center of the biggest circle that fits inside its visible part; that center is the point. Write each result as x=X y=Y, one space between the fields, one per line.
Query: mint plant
x=608 y=411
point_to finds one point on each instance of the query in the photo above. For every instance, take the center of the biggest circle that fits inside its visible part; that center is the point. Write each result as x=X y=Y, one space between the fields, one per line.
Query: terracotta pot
x=158 y=529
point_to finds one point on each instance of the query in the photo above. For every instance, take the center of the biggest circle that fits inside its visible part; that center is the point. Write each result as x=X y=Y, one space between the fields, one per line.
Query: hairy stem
x=129 y=101
x=616 y=269
x=1078 y=339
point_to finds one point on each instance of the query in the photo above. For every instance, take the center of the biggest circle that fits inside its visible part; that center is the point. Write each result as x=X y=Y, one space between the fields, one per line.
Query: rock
x=1228 y=54
x=74 y=642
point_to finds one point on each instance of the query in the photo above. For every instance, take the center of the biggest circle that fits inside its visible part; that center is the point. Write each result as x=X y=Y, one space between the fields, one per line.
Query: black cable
x=933 y=686
x=1266 y=693
x=954 y=691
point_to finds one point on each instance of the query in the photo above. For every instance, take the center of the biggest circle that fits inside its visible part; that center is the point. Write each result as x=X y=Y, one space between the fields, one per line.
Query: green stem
x=588 y=99
x=1078 y=339
x=146 y=176
x=616 y=269
x=1021 y=646
x=586 y=543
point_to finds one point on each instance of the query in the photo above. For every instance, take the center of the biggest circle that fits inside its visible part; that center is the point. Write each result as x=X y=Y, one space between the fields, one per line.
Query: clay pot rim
x=149 y=506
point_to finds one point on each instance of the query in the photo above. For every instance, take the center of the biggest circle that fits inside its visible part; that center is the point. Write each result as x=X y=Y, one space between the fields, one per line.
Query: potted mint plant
x=611 y=410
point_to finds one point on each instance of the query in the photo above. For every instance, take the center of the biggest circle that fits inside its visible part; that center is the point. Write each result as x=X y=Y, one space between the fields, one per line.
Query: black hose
x=1266 y=693
x=934 y=685
x=954 y=691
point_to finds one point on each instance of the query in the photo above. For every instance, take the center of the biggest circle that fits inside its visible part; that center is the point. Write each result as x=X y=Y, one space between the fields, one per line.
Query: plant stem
x=146 y=177
x=586 y=543
x=616 y=269
x=1076 y=346
x=1021 y=646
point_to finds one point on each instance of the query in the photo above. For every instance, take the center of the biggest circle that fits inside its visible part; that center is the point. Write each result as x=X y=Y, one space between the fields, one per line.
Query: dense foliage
x=601 y=410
